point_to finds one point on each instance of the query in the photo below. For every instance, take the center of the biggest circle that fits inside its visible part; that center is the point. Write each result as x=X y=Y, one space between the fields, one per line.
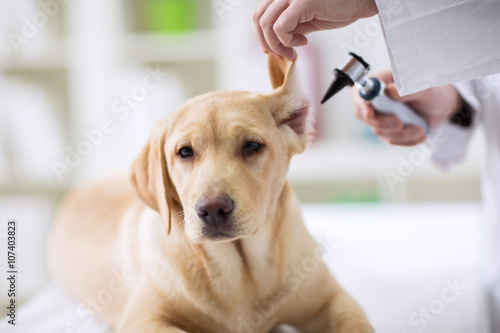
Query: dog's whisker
x=179 y=214
x=182 y=218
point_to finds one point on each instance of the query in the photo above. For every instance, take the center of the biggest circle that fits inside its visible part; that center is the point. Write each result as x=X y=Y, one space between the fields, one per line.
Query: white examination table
x=395 y=259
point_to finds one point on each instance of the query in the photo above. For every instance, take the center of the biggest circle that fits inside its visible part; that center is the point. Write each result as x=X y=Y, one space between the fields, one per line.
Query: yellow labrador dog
x=211 y=234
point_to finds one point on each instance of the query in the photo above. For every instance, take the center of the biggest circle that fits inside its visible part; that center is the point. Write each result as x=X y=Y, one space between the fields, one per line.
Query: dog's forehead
x=223 y=112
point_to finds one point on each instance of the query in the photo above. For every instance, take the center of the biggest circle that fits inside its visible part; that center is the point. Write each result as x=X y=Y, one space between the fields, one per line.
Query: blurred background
x=82 y=82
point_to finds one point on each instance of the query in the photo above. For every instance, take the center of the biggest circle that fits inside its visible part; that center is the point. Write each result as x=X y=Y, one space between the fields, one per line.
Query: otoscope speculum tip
x=354 y=70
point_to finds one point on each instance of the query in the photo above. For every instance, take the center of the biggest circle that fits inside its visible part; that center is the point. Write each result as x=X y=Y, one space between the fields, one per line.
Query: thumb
x=391 y=90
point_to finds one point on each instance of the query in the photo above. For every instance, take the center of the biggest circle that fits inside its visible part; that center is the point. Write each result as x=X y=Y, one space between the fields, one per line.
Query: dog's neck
x=232 y=276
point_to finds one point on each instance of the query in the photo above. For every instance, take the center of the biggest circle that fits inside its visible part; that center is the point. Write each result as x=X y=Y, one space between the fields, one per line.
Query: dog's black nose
x=215 y=210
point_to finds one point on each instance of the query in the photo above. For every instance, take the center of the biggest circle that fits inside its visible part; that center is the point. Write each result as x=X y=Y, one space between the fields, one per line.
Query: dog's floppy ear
x=149 y=175
x=290 y=106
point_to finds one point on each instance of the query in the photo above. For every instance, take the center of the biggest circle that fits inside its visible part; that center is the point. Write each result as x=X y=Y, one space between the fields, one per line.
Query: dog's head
x=216 y=165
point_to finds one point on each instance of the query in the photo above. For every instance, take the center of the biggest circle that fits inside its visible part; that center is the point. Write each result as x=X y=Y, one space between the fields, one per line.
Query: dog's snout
x=216 y=209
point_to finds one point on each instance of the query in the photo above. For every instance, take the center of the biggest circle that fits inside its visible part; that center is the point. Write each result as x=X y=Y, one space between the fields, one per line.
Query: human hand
x=282 y=25
x=435 y=104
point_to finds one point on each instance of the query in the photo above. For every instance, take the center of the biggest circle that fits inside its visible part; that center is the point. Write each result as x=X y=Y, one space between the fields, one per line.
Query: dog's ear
x=149 y=175
x=290 y=106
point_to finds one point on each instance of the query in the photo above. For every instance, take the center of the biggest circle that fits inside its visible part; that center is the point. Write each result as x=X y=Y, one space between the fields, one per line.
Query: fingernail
x=365 y=112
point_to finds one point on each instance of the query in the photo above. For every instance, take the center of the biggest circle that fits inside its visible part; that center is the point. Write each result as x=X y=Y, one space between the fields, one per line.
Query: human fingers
x=379 y=123
x=260 y=9
x=267 y=22
x=288 y=21
x=363 y=111
x=408 y=136
x=298 y=35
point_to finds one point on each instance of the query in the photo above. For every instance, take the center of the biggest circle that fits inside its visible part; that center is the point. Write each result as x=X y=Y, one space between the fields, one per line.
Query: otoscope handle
x=386 y=105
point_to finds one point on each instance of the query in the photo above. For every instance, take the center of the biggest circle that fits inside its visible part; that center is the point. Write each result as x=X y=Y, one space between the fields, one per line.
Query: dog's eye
x=251 y=147
x=186 y=152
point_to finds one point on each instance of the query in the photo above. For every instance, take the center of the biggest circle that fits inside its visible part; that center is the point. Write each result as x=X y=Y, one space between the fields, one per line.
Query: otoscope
x=372 y=90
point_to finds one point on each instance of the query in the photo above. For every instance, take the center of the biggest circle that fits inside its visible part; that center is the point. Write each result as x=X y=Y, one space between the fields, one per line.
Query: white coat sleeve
x=452 y=147
x=438 y=42
x=483 y=95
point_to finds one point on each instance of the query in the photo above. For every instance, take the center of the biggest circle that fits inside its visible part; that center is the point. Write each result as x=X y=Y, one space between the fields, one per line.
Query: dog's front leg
x=346 y=315
x=140 y=318
x=147 y=327
x=144 y=313
x=339 y=314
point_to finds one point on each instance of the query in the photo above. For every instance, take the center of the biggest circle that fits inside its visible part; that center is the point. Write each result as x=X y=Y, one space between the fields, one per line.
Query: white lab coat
x=484 y=97
x=438 y=42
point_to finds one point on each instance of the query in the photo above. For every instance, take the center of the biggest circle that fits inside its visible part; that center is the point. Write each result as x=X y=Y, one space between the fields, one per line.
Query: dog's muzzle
x=216 y=213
